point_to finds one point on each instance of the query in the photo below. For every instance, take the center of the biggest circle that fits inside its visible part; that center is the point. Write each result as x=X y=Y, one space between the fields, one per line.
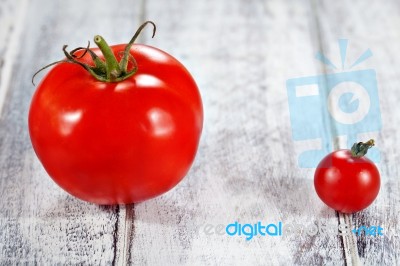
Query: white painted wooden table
x=241 y=53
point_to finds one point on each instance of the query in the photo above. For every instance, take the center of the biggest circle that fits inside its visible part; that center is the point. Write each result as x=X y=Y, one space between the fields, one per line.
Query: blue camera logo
x=328 y=106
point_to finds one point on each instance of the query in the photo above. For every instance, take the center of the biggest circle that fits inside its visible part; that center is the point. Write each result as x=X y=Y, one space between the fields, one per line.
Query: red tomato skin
x=345 y=183
x=117 y=143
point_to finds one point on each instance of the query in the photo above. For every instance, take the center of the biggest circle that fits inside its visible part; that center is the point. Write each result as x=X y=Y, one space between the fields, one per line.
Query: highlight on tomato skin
x=346 y=180
x=126 y=134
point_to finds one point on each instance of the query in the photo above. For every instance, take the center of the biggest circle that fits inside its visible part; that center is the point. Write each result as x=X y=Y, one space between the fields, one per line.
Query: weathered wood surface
x=241 y=53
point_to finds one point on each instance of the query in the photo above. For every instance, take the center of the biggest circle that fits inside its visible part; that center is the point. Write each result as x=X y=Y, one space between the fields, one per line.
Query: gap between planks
x=123 y=234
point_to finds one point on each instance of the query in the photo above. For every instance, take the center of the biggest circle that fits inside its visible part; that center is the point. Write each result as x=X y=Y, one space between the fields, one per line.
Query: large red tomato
x=120 y=140
x=347 y=181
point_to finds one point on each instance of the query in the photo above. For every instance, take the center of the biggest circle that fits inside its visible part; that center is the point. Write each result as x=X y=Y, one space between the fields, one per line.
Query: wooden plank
x=39 y=223
x=371 y=25
x=241 y=55
x=12 y=17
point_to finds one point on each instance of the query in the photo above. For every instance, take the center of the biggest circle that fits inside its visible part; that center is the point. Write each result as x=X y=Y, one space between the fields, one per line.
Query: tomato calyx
x=359 y=149
x=109 y=69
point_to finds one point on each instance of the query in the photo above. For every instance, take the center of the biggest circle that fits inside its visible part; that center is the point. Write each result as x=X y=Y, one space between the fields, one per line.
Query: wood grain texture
x=241 y=53
x=12 y=17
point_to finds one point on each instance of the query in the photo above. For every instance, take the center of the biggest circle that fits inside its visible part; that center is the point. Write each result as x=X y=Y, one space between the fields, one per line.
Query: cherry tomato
x=112 y=139
x=347 y=181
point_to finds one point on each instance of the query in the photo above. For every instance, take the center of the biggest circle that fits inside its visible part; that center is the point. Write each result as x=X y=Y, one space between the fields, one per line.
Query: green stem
x=113 y=71
x=109 y=70
x=360 y=149
x=125 y=58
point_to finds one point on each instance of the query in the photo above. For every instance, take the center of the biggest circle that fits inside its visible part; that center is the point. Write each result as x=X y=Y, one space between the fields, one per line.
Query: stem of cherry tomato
x=360 y=149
